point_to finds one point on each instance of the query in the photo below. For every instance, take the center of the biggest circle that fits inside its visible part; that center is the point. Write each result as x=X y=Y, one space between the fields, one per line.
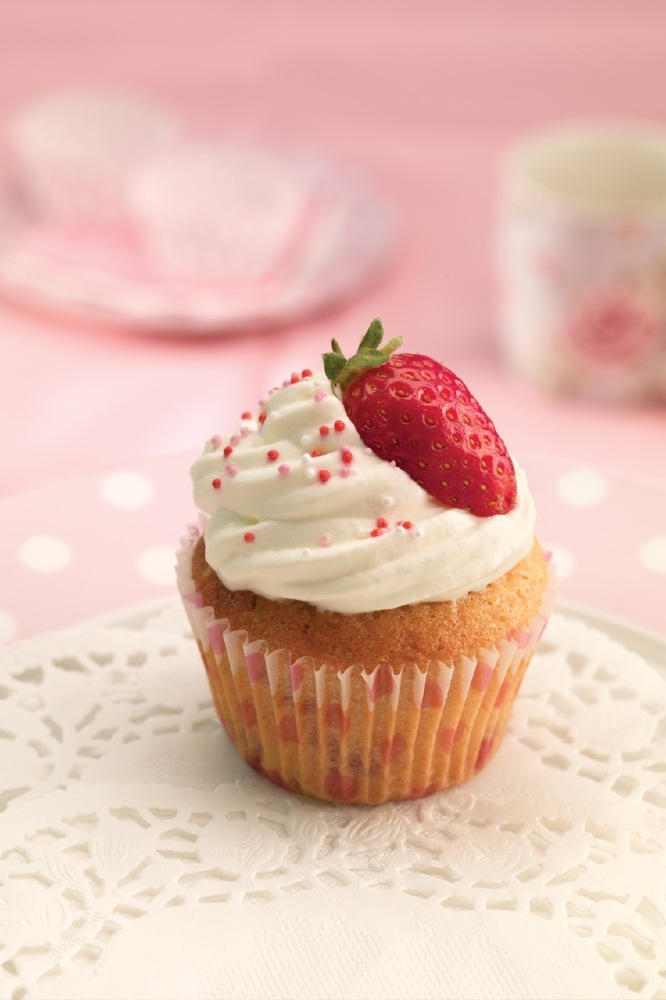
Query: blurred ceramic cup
x=73 y=150
x=582 y=259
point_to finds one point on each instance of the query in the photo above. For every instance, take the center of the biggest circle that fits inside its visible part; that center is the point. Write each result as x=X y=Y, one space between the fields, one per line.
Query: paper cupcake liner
x=355 y=735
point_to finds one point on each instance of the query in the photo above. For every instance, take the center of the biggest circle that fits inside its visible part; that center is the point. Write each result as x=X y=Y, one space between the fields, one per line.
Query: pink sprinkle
x=231 y=470
x=284 y=469
x=245 y=431
x=318 y=396
x=345 y=471
x=285 y=383
x=235 y=439
x=216 y=440
x=325 y=539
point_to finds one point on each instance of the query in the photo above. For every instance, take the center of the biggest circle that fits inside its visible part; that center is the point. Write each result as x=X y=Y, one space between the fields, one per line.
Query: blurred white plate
x=107 y=277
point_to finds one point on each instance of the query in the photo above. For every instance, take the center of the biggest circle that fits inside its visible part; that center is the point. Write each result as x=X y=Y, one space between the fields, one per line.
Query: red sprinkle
x=248 y=536
x=375 y=532
x=339 y=426
x=347 y=457
x=261 y=418
x=407 y=525
x=382 y=522
x=306 y=373
x=315 y=453
x=216 y=484
x=246 y=415
x=324 y=475
x=324 y=430
x=272 y=455
x=294 y=378
x=227 y=451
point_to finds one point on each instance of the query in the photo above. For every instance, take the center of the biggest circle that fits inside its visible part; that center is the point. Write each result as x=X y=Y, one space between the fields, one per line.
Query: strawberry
x=411 y=410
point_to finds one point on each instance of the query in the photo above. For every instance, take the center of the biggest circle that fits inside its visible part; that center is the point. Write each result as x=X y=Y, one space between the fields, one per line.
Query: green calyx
x=341 y=370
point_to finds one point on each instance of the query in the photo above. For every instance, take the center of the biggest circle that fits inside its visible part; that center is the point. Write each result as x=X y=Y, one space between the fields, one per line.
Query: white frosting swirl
x=277 y=529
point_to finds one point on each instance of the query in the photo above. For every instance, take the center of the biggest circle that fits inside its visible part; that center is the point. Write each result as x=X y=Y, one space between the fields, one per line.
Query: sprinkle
x=262 y=404
x=318 y=396
x=272 y=455
x=419 y=532
x=306 y=552
x=339 y=426
x=407 y=525
x=375 y=533
x=231 y=470
x=368 y=451
x=295 y=377
x=216 y=484
x=246 y=415
x=325 y=539
x=245 y=431
x=315 y=453
x=306 y=373
x=306 y=457
x=400 y=530
x=285 y=383
x=345 y=471
x=382 y=522
x=235 y=439
x=306 y=440
x=324 y=475
x=227 y=451
x=324 y=430
x=346 y=456
x=387 y=501
x=310 y=473
x=216 y=440
x=249 y=536
x=284 y=469
x=261 y=419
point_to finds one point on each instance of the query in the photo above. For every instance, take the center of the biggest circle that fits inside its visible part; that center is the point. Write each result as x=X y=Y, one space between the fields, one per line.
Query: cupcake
x=365 y=586
x=221 y=212
x=74 y=150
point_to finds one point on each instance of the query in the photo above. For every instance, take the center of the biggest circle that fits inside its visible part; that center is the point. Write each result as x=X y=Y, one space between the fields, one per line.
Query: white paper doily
x=139 y=857
x=107 y=277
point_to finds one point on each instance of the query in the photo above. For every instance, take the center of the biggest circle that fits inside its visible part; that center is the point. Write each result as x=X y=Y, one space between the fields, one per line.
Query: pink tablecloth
x=420 y=96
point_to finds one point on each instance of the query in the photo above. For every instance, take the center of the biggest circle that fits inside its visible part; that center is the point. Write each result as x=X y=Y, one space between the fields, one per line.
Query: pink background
x=422 y=96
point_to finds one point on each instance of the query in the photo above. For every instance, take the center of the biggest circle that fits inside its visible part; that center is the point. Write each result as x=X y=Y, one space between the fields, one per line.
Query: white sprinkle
x=306 y=440
x=368 y=451
x=399 y=530
x=307 y=457
x=310 y=473
x=387 y=501
x=306 y=552
x=353 y=470
x=418 y=532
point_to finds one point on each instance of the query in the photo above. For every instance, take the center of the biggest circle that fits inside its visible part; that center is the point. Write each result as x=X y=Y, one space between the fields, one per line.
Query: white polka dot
x=562 y=561
x=127 y=489
x=45 y=553
x=158 y=565
x=653 y=554
x=7 y=626
x=582 y=487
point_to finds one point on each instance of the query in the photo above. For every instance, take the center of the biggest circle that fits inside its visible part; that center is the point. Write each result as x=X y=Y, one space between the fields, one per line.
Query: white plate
x=109 y=278
x=140 y=857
